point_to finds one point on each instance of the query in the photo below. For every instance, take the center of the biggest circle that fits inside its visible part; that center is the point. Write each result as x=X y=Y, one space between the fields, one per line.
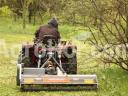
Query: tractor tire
x=23 y=59
x=17 y=78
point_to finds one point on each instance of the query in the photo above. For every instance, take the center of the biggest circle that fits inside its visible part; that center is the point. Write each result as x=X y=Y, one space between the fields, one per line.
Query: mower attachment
x=33 y=77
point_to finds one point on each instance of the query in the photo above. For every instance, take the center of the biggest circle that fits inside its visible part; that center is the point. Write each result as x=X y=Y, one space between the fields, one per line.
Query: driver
x=50 y=29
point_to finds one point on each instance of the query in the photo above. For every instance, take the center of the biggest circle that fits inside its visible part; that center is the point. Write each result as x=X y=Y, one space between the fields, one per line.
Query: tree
x=112 y=30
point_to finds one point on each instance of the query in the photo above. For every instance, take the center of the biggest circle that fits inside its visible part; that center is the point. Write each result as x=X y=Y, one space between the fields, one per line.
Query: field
x=113 y=81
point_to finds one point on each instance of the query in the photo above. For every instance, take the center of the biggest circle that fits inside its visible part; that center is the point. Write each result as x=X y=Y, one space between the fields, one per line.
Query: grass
x=113 y=81
x=8 y=25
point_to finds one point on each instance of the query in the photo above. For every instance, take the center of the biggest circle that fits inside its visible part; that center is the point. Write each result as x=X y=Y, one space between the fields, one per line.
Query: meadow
x=112 y=81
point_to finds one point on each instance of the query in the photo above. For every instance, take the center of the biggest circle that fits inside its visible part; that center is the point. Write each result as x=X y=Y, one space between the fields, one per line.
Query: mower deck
x=29 y=80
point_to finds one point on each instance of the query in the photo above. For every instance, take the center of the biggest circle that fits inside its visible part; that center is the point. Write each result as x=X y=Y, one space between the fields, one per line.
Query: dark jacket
x=46 y=30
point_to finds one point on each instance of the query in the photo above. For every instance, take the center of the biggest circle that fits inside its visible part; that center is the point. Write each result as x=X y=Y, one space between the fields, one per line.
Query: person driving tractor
x=50 y=29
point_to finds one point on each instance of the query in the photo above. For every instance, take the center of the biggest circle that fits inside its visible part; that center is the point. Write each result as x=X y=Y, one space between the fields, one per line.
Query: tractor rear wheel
x=17 y=77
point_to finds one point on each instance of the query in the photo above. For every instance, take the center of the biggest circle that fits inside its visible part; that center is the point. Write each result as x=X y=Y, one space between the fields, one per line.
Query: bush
x=5 y=11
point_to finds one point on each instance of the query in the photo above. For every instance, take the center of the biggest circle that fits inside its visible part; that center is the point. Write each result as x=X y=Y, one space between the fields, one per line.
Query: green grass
x=113 y=81
x=8 y=25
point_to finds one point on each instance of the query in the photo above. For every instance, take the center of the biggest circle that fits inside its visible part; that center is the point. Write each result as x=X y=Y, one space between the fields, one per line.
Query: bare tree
x=112 y=29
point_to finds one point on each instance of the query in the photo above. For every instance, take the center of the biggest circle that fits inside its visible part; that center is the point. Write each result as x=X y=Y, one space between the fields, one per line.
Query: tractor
x=50 y=64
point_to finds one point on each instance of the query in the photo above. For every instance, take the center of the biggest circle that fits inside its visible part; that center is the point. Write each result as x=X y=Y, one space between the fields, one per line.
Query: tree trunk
x=25 y=12
x=127 y=27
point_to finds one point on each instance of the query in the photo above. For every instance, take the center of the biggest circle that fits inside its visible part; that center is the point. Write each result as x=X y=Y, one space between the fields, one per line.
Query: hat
x=53 y=22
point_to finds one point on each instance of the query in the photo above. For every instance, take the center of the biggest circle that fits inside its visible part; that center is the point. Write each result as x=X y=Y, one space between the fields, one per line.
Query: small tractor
x=50 y=65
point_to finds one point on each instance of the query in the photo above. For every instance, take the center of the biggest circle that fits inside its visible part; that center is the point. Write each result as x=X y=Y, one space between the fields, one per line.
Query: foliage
x=112 y=29
x=5 y=11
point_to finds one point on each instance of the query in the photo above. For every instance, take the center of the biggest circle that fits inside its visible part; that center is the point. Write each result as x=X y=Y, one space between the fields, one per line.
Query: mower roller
x=48 y=65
